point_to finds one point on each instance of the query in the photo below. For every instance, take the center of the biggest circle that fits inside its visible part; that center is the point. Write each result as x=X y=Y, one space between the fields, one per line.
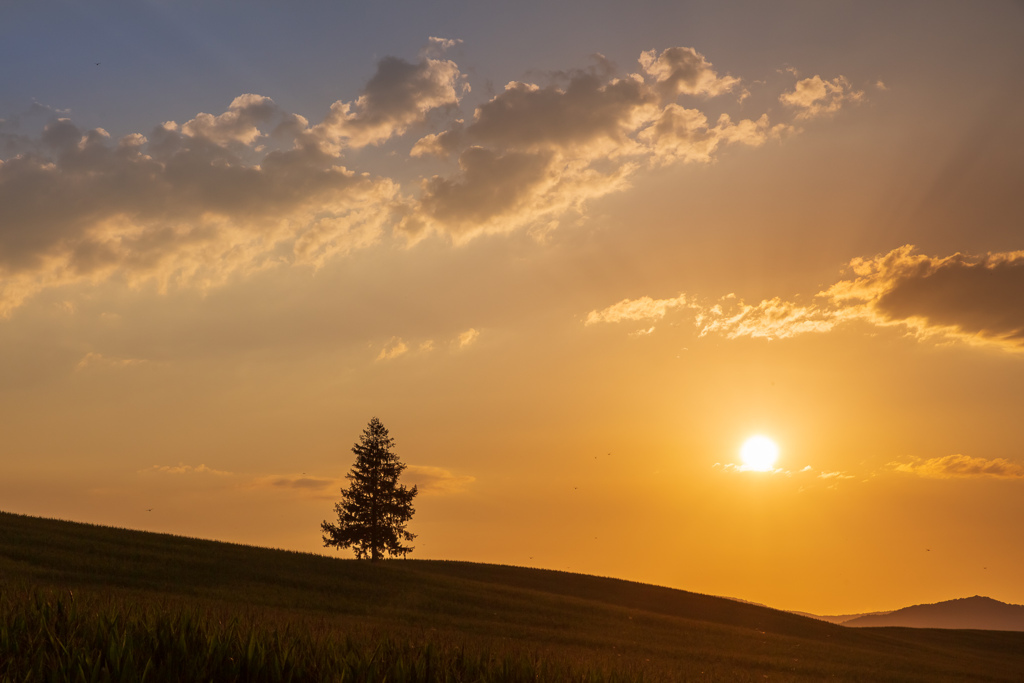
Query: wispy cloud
x=468 y=337
x=834 y=475
x=302 y=485
x=94 y=360
x=960 y=466
x=183 y=469
x=644 y=308
x=393 y=349
x=437 y=481
x=430 y=481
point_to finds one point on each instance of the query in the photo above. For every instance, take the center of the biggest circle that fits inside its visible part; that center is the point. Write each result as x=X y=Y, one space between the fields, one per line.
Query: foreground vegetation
x=86 y=603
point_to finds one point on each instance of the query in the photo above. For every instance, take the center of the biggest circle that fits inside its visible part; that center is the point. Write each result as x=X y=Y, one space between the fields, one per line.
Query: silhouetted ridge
x=977 y=612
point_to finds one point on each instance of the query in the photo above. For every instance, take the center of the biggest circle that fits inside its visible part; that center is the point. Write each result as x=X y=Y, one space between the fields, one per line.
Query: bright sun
x=759 y=453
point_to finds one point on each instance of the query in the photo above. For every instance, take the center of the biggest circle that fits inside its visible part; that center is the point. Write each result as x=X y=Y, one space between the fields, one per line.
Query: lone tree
x=374 y=508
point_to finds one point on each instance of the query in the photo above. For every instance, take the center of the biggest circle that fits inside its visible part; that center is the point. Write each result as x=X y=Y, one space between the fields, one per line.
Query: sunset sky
x=571 y=256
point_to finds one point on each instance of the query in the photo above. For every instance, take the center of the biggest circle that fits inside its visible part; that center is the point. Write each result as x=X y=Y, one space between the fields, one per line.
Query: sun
x=759 y=454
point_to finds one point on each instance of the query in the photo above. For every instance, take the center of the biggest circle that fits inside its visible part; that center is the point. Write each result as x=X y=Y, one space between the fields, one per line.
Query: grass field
x=88 y=603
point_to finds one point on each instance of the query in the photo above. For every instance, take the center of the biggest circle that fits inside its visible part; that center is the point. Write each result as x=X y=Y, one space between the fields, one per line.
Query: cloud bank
x=224 y=195
x=974 y=299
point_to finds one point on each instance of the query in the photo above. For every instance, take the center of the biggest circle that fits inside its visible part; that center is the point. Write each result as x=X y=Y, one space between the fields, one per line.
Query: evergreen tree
x=374 y=509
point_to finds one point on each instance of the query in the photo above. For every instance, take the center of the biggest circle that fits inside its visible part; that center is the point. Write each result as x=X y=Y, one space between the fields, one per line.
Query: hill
x=965 y=613
x=239 y=607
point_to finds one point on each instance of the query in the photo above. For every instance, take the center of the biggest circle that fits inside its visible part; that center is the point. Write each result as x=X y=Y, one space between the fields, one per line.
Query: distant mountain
x=975 y=613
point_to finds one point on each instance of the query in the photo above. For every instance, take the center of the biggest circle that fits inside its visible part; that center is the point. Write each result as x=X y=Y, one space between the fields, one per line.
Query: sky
x=571 y=256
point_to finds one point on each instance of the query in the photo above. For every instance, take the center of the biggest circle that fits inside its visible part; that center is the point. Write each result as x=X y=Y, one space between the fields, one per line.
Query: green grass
x=87 y=603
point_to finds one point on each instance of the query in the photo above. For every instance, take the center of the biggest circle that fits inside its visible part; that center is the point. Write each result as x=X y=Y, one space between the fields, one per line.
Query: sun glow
x=759 y=454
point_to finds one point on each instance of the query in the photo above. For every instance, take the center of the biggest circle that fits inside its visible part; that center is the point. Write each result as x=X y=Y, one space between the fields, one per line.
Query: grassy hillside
x=76 y=597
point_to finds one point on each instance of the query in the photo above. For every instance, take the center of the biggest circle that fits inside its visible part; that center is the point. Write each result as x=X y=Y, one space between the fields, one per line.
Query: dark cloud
x=975 y=295
x=490 y=184
x=398 y=95
x=589 y=108
x=557 y=141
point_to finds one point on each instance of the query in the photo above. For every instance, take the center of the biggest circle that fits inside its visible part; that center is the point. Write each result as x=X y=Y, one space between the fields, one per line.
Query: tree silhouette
x=374 y=509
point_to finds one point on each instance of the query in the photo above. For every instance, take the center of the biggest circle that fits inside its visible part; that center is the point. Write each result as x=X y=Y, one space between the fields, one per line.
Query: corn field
x=53 y=635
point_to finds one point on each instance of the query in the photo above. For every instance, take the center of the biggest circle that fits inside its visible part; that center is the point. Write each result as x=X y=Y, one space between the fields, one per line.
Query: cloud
x=181 y=468
x=973 y=299
x=225 y=195
x=769 y=319
x=436 y=481
x=219 y=195
x=93 y=359
x=468 y=337
x=733 y=468
x=816 y=96
x=681 y=134
x=806 y=476
x=321 y=488
x=834 y=475
x=644 y=308
x=239 y=124
x=400 y=94
x=393 y=349
x=683 y=70
x=591 y=114
x=536 y=152
x=960 y=466
x=431 y=481
x=976 y=298
x=187 y=205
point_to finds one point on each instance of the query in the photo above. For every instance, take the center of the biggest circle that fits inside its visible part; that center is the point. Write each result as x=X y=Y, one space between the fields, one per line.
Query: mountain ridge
x=976 y=612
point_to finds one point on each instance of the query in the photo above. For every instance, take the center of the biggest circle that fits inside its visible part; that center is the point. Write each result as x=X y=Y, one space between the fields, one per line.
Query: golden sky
x=571 y=258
